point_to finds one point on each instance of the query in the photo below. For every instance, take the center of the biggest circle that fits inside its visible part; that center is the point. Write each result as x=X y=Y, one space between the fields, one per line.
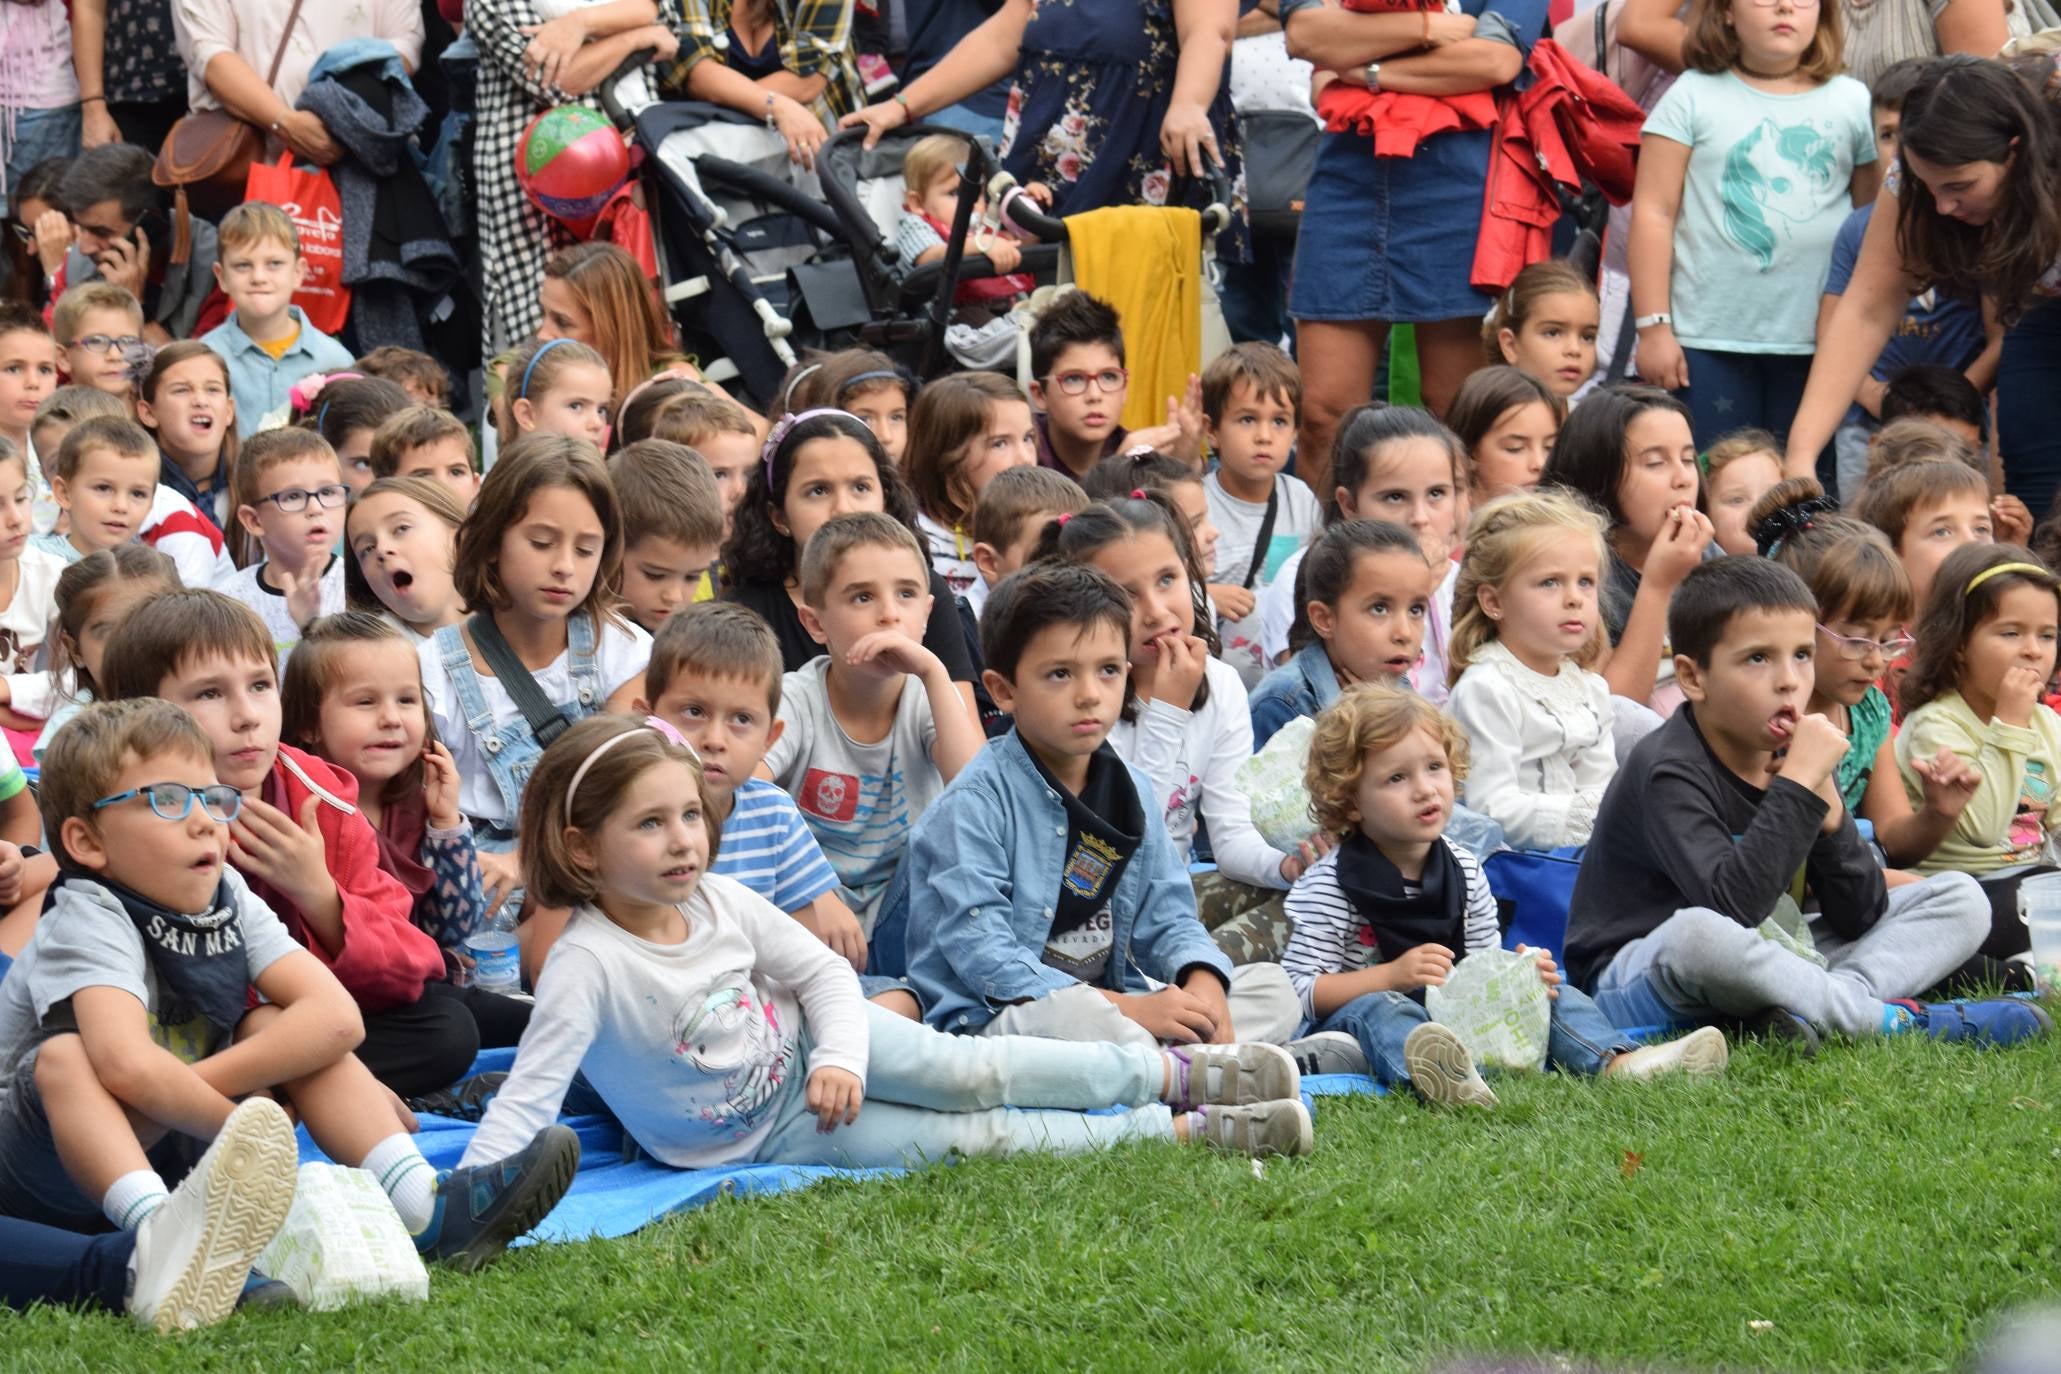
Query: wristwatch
x=1648 y=321
x=1372 y=71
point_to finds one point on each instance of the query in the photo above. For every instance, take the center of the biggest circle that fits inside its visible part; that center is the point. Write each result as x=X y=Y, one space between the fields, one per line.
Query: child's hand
x=2018 y=693
x=834 y=1096
x=2011 y=521
x=440 y=788
x=1209 y=989
x=1039 y=192
x=836 y=927
x=1232 y=602
x=1680 y=546
x=268 y=844
x=1182 y=659
x=1815 y=748
x=1549 y=972
x=303 y=593
x=1293 y=866
x=499 y=875
x=1003 y=255
x=1426 y=966
x=884 y=653
x=1948 y=781
x=1184 y=413
x=12 y=866
x=1172 y=1014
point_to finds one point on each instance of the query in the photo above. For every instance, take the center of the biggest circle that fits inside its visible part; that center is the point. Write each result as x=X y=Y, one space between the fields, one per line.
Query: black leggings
x=430 y=1043
x=2008 y=934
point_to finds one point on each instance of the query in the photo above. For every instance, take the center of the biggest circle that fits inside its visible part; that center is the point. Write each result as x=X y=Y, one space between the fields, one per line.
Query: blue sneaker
x=1998 y=1021
x=481 y=1209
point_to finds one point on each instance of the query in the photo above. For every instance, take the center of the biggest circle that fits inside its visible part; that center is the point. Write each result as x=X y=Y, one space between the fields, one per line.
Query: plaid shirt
x=814 y=38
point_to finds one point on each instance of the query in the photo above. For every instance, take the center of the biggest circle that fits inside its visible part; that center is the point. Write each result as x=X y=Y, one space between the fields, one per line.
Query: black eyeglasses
x=107 y=343
x=295 y=499
x=1074 y=383
x=173 y=801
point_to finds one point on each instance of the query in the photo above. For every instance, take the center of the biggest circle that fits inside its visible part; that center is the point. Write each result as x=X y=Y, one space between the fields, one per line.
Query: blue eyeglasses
x=173 y=801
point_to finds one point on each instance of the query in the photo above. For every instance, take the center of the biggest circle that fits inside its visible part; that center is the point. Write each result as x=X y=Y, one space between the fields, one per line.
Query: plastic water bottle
x=495 y=954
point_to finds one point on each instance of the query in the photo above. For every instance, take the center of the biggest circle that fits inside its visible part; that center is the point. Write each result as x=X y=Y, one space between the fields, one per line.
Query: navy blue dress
x=1393 y=238
x=1093 y=82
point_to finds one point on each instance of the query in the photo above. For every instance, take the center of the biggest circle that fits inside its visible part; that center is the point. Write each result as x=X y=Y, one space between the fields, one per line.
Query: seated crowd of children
x=892 y=753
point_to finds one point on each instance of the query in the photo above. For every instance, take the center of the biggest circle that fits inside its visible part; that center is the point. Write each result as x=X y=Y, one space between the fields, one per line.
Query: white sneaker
x=1701 y=1052
x=195 y=1251
x=1441 y=1069
x=1329 y=1052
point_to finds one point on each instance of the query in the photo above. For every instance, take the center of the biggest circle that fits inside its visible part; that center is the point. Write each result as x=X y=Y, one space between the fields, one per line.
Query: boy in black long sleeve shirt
x=1710 y=821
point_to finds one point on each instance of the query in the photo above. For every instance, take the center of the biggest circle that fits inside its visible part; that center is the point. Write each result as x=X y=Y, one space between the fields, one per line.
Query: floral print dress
x=1092 y=87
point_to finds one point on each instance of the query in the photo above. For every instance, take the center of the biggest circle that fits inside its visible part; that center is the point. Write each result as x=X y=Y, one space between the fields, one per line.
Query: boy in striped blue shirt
x=715 y=677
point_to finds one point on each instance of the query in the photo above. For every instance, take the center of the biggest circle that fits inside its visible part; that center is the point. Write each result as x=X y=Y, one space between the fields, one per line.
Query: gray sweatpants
x=1699 y=965
x=1263 y=1004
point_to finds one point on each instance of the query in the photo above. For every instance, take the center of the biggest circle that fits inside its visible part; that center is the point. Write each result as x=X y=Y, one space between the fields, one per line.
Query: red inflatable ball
x=569 y=162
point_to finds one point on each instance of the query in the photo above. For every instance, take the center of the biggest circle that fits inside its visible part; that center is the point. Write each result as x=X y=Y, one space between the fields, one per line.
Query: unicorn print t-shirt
x=1768 y=185
x=697 y=1046
x=861 y=800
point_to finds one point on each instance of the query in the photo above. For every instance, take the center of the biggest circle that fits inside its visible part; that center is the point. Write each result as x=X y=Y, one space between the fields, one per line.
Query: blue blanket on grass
x=610 y=1198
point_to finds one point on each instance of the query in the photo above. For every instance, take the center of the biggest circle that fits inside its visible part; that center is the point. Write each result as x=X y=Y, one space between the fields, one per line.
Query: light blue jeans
x=39 y=136
x=930 y=1095
x=1580 y=1040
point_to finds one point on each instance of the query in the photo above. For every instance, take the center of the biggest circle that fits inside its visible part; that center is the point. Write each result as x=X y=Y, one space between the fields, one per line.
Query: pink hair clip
x=301 y=395
x=1064 y=516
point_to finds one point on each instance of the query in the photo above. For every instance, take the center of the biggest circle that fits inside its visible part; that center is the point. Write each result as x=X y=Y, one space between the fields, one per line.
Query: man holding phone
x=123 y=235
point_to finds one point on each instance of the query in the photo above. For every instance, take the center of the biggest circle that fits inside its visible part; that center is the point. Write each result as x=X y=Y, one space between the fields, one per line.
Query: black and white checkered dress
x=515 y=236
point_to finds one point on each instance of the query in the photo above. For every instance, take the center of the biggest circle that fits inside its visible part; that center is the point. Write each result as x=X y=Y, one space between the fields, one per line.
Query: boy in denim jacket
x=1044 y=898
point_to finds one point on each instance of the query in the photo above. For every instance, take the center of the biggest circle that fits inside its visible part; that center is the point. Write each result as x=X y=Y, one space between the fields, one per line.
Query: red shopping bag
x=309 y=198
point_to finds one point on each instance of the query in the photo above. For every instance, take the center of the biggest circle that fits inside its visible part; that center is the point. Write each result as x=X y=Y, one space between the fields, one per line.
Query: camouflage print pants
x=1247 y=922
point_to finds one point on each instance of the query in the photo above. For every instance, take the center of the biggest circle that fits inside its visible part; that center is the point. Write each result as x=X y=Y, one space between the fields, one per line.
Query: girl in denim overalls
x=541 y=557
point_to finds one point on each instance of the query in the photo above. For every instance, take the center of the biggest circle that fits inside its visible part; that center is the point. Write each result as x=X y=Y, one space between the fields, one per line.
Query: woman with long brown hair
x=596 y=294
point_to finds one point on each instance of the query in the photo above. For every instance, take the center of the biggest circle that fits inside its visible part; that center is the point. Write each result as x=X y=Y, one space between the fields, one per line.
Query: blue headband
x=535 y=358
x=885 y=375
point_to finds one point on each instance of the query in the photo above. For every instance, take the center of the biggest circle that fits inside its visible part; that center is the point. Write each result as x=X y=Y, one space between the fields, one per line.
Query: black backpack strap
x=1266 y=535
x=546 y=721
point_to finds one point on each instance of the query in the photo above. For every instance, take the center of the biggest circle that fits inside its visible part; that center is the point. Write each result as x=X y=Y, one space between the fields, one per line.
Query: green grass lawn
x=1870 y=1210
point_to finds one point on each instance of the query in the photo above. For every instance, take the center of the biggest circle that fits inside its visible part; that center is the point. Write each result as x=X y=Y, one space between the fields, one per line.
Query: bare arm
x=1202 y=30
x=1634 y=664
x=1983 y=371
x=1867 y=180
x=147 y=1079
x=19 y=823
x=1656 y=208
x=1334 y=39
x=1972 y=26
x=1462 y=68
x=977 y=61
x=598 y=60
x=958 y=731
x=318 y=1024
x=1654 y=30
x=1908 y=834
x=712 y=81
x=1866 y=315
x=242 y=91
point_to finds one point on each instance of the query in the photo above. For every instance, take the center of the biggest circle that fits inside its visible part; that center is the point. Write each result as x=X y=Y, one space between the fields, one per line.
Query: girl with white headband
x=719 y=1031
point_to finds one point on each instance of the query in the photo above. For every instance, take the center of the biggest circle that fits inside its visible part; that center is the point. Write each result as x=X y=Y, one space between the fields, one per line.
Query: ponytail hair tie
x=1785 y=523
x=1063 y=517
x=1137 y=493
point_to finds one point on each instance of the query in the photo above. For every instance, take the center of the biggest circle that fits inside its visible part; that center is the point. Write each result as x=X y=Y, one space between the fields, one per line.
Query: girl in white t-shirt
x=541 y=557
x=963 y=430
x=721 y=1032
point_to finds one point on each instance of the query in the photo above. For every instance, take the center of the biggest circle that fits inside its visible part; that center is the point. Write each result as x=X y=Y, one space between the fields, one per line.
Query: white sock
x=409 y=1181
x=133 y=1197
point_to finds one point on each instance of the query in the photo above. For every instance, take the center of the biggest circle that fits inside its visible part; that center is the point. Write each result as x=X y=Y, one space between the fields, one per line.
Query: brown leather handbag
x=208 y=154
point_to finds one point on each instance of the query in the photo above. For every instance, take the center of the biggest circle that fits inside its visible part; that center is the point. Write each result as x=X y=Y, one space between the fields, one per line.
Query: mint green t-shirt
x=1769 y=183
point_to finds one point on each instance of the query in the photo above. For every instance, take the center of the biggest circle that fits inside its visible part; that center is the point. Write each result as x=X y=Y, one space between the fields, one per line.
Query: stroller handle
x=611 y=90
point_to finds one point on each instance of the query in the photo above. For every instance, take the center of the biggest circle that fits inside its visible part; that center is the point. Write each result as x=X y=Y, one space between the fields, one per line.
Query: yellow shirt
x=277 y=347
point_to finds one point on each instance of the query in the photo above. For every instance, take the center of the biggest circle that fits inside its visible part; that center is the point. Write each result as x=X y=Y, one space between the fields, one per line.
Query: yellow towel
x=1146 y=261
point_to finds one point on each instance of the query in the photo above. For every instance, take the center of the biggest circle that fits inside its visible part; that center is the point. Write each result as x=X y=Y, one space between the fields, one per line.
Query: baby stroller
x=752 y=263
x=911 y=309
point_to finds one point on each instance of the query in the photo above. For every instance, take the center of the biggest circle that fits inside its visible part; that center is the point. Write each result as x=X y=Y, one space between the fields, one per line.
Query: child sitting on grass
x=715 y=677
x=1388 y=912
x=1709 y=821
x=1252 y=398
x=299 y=841
x=290 y=496
x=720 y=1032
x=672 y=527
x=874 y=728
x=128 y=1029
x=1047 y=897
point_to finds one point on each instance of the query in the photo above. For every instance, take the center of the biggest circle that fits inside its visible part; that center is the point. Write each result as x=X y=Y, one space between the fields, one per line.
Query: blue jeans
x=968 y=121
x=42 y=1264
x=1581 y=1039
x=39 y=136
x=1729 y=391
x=2028 y=410
x=1255 y=294
x=929 y=1094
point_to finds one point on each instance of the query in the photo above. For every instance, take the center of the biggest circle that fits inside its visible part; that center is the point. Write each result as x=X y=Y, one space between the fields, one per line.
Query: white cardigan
x=1192 y=759
x=1542 y=752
